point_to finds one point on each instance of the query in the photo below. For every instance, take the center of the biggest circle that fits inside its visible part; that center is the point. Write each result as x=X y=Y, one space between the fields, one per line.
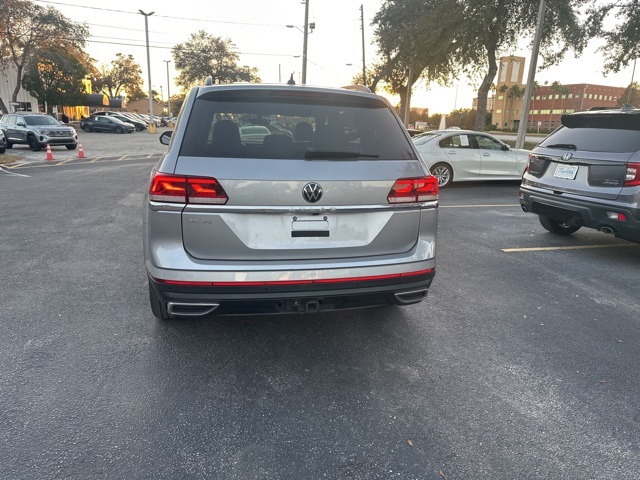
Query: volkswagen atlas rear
x=343 y=218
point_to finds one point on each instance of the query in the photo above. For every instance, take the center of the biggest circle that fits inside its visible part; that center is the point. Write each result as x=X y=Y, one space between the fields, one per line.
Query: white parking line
x=12 y=173
x=573 y=247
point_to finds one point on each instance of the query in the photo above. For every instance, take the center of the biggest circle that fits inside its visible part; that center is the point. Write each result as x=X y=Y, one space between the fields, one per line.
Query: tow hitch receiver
x=299 y=305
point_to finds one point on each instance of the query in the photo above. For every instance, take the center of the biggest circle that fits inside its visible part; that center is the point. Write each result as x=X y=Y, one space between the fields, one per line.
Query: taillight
x=632 y=178
x=526 y=169
x=205 y=190
x=181 y=189
x=411 y=190
x=168 y=188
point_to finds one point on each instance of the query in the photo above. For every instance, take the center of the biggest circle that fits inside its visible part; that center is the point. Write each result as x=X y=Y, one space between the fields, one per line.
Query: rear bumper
x=182 y=299
x=590 y=213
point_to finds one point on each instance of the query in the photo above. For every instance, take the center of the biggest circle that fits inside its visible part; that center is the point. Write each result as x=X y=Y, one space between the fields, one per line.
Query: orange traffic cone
x=49 y=154
x=80 y=151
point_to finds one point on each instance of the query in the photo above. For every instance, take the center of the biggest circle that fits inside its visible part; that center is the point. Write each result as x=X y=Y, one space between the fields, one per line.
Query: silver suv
x=332 y=209
x=587 y=174
x=37 y=130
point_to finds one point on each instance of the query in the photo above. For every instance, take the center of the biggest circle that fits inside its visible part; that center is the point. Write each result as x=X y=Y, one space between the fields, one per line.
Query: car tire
x=157 y=307
x=71 y=147
x=3 y=149
x=9 y=145
x=33 y=144
x=558 y=227
x=119 y=129
x=87 y=128
x=444 y=173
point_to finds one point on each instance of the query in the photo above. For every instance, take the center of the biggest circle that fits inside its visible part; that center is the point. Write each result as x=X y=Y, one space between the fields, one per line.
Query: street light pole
x=522 y=127
x=364 y=69
x=146 y=31
x=304 y=47
x=168 y=90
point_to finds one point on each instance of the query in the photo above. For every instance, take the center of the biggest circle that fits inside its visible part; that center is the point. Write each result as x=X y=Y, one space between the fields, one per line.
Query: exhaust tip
x=188 y=309
x=607 y=230
x=407 y=298
x=524 y=208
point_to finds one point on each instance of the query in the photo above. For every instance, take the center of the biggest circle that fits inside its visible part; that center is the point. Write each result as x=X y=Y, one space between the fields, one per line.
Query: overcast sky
x=258 y=29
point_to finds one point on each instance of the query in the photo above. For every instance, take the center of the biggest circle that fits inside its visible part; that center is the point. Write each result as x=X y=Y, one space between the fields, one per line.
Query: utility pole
x=168 y=90
x=633 y=73
x=304 y=47
x=408 y=101
x=522 y=127
x=152 y=128
x=364 y=68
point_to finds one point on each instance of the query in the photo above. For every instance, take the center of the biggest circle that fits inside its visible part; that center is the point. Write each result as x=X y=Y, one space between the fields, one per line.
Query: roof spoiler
x=357 y=88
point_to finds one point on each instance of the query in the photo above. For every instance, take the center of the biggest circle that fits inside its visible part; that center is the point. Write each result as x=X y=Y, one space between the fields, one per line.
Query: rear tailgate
x=267 y=218
x=580 y=172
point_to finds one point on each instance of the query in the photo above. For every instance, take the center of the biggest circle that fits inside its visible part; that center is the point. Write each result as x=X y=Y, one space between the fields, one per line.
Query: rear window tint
x=596 y=139
x=289 y=127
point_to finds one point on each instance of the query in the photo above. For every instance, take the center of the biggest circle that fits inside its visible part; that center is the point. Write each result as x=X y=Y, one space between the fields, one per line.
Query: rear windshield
x=321 y=126
x=595 y=139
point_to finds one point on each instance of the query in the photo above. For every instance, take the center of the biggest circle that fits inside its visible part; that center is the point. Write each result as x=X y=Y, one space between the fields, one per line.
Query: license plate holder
x=567 y=172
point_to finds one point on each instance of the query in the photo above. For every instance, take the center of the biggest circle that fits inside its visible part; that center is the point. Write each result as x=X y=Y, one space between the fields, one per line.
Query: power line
x=162 y=16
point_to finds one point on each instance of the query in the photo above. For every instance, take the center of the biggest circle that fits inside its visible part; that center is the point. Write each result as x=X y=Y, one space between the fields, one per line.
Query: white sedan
x=463 y=155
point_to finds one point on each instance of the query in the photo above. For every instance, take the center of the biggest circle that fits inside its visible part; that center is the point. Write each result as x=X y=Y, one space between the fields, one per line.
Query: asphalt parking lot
x=521 y=363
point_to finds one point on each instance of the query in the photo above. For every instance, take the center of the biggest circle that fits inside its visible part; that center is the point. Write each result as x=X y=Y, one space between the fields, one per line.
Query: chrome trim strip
x=290 y=210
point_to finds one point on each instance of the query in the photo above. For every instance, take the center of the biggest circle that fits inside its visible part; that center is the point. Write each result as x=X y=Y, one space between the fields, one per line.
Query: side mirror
x=506 y=147
x=21 y=124
x=165 y=138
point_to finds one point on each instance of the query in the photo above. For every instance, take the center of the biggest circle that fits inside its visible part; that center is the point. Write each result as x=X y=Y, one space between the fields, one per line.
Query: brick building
x=547 y=103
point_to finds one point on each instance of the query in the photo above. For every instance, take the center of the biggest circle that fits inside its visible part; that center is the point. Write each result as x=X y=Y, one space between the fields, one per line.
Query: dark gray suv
x=587 y=174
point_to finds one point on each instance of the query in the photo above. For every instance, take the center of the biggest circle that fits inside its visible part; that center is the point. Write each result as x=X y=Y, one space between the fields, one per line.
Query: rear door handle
x=486 y=154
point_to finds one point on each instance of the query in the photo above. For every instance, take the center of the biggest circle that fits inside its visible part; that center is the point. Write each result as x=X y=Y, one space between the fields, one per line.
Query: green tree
x=204 y=55
x=399 y=28
x=469 y=34
x=28 y=29
x=622 y=39
x=123 y=75
x=55 y=76
x=630 y=96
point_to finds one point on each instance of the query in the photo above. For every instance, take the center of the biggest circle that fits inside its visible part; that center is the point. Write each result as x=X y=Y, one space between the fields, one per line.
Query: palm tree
x=503 y=88
x=514 y=92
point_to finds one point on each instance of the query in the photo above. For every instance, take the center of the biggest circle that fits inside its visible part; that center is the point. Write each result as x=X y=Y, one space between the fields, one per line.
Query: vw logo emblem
x=312 y=192
x=567 y=156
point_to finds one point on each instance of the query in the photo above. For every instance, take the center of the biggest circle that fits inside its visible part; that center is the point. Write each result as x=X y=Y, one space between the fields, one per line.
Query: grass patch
x=7 y=159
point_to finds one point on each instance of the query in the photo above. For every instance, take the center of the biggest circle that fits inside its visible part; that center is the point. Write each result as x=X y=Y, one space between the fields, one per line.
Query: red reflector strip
x=180 y=282
x=268 y=283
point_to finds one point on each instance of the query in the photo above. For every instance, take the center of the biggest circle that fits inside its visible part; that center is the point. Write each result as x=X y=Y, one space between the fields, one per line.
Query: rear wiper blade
x=568 y=146
x=313 y=153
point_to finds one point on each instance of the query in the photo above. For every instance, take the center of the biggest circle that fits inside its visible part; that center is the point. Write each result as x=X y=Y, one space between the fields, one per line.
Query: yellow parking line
x=481 y=206
x=574 y=247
